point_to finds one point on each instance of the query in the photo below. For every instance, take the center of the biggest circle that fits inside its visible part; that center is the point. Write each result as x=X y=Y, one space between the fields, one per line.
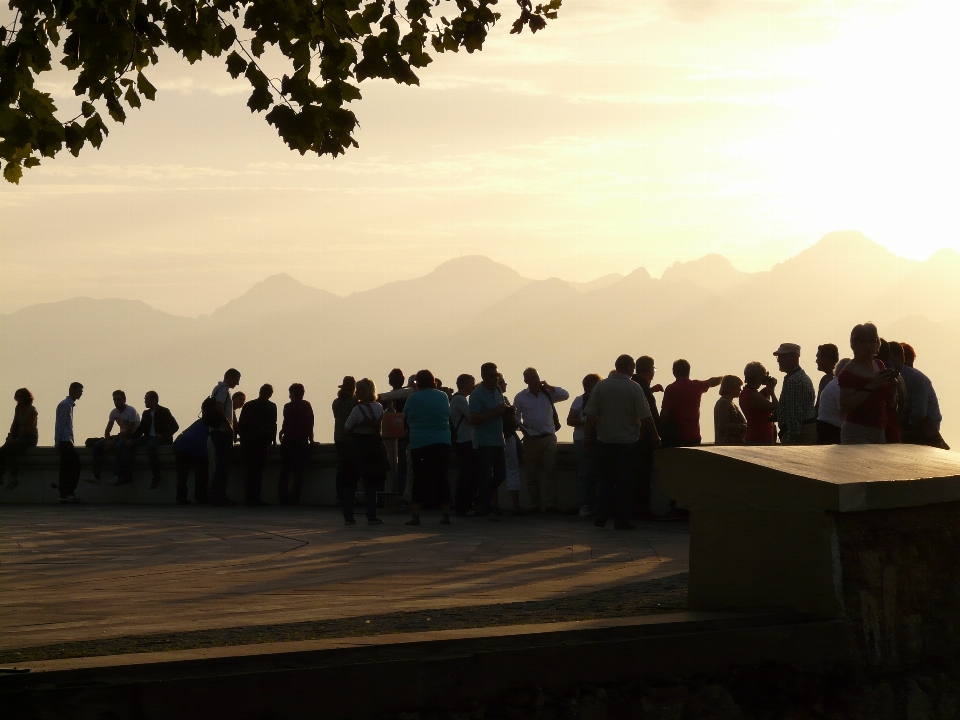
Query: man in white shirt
x=221 y=437
x=63 y=441
x=539 y=424
x=462 y=434
x=126 y=418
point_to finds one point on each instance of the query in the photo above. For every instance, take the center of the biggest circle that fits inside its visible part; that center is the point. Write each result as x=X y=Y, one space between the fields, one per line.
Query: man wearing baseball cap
x=796 y=415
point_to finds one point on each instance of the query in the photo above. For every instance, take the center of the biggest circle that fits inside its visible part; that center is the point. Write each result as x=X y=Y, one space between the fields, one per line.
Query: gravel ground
x=665 y=595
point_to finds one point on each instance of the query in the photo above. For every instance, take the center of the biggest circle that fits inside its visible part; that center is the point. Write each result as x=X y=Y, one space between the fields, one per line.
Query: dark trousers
x=369 y=462
x=618 y=466
x=294 y=455
x=11 y=451
x=254 y=458
x=199 y=467
x=645 y=479
x=492 y=470
x=151 y=443
x=346 y=471
x=402 y=445
x=121 y=468
x=467 y=478
x=827 y=434
x=222 y=447
x=69 y=468
x=430 y=481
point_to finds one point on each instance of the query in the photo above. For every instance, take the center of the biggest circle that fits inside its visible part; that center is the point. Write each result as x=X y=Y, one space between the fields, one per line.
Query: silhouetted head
x=730 y=386
x=425 y=380
x=23 y=397
x=348 y=388
x=681 y=369
x=909 y=354
x=76 y=390
x=488 y=375
x=883 y=353
x=396 y=378
x=865 y=341
x=532 y=379
x=827 y=357
x=788 y=356
x=119 y=399
x=296 y=391
x=232 y=377
x=754 y=373
x=625 y=365
x=151 y=399
x=501 y=382
x=590 y=382
x=896 y=354
x=238 y=399
x=366 y=390
x=266 y=391
x=646 y=367
x=466 y=384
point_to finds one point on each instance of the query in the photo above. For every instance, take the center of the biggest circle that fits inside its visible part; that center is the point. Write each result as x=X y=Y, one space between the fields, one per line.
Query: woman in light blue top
x=427 y=413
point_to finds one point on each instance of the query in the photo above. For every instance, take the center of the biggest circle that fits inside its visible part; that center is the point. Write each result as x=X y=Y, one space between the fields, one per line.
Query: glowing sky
x=628 y=133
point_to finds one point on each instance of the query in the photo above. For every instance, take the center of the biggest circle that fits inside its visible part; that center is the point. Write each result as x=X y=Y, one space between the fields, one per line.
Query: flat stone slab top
x=838 y=478
x=76 y=573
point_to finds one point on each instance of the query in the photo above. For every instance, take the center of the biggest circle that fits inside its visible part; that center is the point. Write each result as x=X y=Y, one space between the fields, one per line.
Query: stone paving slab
x=70 y=574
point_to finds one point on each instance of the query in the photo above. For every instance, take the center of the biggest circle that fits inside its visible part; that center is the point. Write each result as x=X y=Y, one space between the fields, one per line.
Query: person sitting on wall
x=729 y=424
x=127 y=419
x=157 y=426
x=23 y=435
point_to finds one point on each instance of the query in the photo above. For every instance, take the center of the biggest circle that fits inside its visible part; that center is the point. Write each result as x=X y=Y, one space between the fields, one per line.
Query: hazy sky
x=628 y=133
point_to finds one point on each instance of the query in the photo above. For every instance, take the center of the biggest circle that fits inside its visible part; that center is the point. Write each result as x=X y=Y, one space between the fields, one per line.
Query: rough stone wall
x=901 y=582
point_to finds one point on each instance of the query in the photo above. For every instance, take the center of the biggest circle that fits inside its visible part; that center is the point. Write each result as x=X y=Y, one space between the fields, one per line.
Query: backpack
x=211 y=414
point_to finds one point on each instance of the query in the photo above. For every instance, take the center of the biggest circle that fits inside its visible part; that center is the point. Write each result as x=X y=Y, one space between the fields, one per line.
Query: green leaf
x=87 y=109
x=260 y=100
x=12 y=172
x=235 y=65
x=145 y=87
x=133 y=100
x=256 y=47
x=31 y=162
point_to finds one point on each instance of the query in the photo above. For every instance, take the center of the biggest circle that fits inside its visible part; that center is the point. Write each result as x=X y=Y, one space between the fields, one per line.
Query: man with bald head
x=619 y=412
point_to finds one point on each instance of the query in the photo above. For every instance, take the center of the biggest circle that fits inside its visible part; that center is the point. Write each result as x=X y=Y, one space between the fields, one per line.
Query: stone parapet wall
x=39 y=474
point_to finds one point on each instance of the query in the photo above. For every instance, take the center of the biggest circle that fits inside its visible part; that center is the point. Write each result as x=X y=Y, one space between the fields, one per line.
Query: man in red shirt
x=680 y=411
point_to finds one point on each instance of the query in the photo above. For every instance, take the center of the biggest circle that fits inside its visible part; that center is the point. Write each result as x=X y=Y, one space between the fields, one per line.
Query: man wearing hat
x=343 y=405
x=796 y=415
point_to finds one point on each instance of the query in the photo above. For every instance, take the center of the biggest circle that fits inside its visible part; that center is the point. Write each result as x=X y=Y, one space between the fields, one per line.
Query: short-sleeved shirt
x=579 y=432
x=193 y=440
x=490 y=433
x=297 y=421
x=682 y=398
x=427 y=413
x=619 y=405
x=127 y=419
x=221 y=393
x=460 y=418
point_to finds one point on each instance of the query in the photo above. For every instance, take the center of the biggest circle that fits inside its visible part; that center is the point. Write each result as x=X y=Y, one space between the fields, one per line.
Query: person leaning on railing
x=23 y=435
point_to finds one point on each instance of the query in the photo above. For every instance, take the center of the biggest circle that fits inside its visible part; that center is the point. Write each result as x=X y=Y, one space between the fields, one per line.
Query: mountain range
x=472 y=309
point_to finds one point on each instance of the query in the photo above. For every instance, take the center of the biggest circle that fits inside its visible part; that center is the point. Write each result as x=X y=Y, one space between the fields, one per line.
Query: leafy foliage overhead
x=331 y=46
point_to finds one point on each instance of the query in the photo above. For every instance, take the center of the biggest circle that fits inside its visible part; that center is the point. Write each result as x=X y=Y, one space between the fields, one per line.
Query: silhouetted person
x=222 y=436
x=461 y=433
x=296 y=439
x=829 y=413
x=729 y=424
x=865 y=388
x=427 y=414
x=680 y=415
x=190 y=454
x=909 y=354
x=127 y=419
x=646 y=371
x=758 y=403
x=828 y=355
x=395 y=378
x=157 y=427
x=618 y=411
x=257 y=428
x=364 y=428
x=23 y=435
x=921 y=418
x=63 y=439
x=796 y=415
x=539 y=422
x=512 y=450
x=487 y=408
x=895 y=400
x=586 y=475
x=343 y=405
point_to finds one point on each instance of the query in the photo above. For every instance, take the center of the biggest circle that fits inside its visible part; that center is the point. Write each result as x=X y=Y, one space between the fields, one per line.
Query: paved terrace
x=86 y=579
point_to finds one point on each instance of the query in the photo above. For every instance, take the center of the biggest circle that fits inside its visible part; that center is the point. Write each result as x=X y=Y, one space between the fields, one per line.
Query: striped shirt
x=63 y=432
x=797 y=400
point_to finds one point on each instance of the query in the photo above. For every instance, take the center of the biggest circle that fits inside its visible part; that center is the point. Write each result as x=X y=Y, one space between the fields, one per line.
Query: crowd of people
x=877 y=396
